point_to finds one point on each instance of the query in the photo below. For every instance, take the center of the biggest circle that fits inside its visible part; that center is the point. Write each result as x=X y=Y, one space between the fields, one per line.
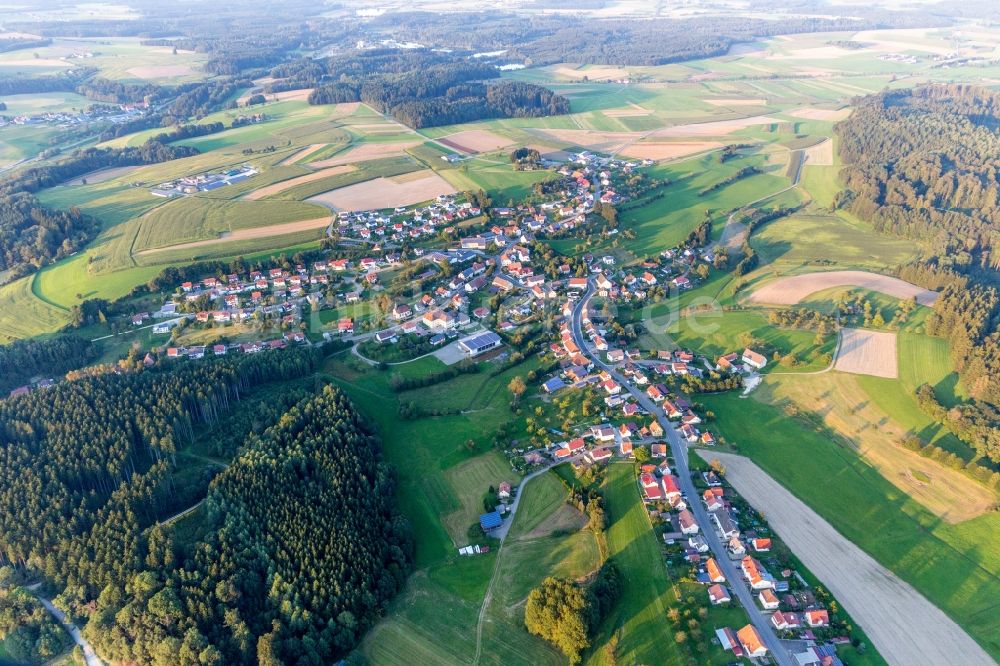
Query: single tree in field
x=517 y=389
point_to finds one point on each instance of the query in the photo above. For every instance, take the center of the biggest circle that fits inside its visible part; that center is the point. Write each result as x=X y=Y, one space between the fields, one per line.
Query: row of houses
x=199 y=351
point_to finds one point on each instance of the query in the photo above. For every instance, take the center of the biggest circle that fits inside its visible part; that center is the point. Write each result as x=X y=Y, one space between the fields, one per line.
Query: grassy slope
x=641 y=612
x=957 y=567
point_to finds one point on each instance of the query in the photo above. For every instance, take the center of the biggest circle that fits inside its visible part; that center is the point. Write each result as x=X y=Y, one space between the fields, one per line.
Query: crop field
x=281 y=186
x=195 y=218
x=402 y=190
x=864 y=352
x=956 y=566
x=905 y=627
x=475 y=141
x=793 y=289
x=365 y=151
x=120 y=58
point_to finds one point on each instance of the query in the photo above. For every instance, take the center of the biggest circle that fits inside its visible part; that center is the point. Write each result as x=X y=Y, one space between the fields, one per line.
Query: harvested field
x=475 y=141
x=302 y=154
x=736 y=102
x=605 y=142
x=903 y=625
x=821 y=154
x=160 y=71
x=411 y=188
x=867 y=353
x=716 y=127
x=276 y=188
x=102 y=175
x=592 y=73
x=821 y=114
x=366 y=151
x=632 y=110
x=846 y=408
x=248 y=234
x=791 y=290
x=649 y=150
x=299 y=95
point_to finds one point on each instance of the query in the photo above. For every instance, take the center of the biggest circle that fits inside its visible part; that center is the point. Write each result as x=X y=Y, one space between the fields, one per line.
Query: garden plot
x=864 y=352
x=378 y=193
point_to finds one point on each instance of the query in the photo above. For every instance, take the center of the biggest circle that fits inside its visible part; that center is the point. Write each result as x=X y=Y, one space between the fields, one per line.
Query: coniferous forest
x=302 y=546
x=925 y=165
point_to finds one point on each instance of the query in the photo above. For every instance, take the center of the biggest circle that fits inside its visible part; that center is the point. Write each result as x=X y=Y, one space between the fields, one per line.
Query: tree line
x=24 y=359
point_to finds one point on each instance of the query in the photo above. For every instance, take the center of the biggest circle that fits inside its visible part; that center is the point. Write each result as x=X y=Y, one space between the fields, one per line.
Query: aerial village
x=495 y=291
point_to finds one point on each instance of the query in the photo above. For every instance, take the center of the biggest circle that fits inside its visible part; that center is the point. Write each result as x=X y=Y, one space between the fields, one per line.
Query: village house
x=717 y=594
x=786 y=621
x=753 y=646
x=768 y=600
x=687 y=522
x=753 y=359
x=817 y=618
x=755 y=574
x=713 y=571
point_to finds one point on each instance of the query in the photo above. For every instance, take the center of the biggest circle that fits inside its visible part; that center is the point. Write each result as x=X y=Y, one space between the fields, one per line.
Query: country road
x=776 y=650
x=88 y=652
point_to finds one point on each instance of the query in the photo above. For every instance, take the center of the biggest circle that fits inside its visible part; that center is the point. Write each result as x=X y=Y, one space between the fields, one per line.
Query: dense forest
x=31 y=235
x=24 y=359
x=303 y=546
x=925 y=164
x=422 y=89
x=29 y=634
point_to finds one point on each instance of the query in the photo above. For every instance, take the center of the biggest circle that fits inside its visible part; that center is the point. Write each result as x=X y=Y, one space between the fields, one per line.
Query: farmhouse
x=753 y=359
x=474 y=345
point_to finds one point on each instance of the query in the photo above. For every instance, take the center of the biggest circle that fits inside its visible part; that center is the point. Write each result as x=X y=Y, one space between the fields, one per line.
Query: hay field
x=276 y=188
x=475 y=141
x=160 y=71
x=864 y=352
x=821 y=114
x=302 y=154
x=904 y=626
x=653 y=150
x=844 y=406
x=716 y=127
x=366 y=151
x=791 y=290
x=102 y=175
x=820 y=155
x=736 y=102
x=246 y=234
x=405 y=190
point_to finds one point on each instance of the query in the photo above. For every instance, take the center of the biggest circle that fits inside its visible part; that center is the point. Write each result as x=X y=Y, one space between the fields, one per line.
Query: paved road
x=88 y=652
x=679 y=448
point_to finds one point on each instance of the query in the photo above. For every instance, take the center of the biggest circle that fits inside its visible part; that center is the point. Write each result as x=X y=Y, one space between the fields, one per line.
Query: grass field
x=957 y=567
x=640 y=615
x=23 y=316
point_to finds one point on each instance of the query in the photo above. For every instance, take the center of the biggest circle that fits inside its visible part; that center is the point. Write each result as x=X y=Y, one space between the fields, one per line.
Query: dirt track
x=905 y=627
x=791 y=290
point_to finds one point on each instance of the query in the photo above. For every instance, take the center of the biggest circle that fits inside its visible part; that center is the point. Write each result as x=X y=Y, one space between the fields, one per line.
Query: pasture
x=956 y=566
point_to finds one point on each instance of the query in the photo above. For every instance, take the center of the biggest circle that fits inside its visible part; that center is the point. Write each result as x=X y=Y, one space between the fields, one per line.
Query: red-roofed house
x=817 y=618
x=717 y=594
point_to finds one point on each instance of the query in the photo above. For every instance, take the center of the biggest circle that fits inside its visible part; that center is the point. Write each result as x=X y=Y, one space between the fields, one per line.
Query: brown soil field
x=820 y=155
x=820 y=114
x=249 y=234
x=903 y=625
x=648 y=150
x=301 y=154
x=791 y=290
x=717 y=127
x=160 y=71
x=736 y=102
x=386 y=192
x=366 y=151
x=102 y=175
x=276 y=188
x=847 y=409
x=299 y=95
x=864 y=352
x=475 y=141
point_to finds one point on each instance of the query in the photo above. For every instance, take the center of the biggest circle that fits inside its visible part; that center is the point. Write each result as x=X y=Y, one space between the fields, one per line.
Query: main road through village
x=679 y=449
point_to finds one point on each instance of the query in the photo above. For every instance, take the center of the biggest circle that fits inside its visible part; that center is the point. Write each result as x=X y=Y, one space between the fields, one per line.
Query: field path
x=904 y=626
